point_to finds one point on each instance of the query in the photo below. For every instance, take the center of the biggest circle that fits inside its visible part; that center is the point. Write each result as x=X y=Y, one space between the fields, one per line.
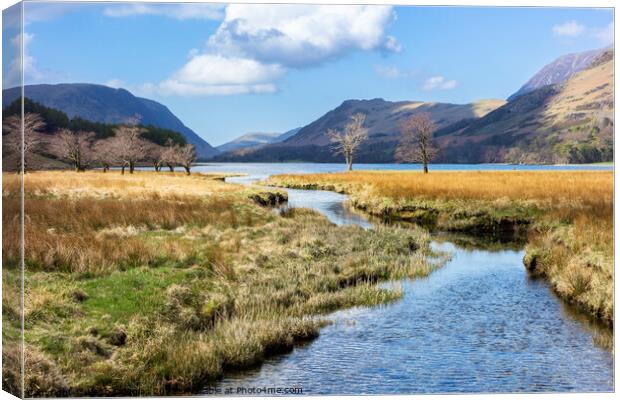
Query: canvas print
x=213 y=199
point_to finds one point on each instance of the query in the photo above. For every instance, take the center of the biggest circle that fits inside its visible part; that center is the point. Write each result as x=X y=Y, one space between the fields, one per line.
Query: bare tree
x=169 y=155
x=347 y=142
x=129 y=146
x=416 y=143
x=27 y=144
x=74 y=147
x=104 y=153
x=186 y=155
x=153 y=155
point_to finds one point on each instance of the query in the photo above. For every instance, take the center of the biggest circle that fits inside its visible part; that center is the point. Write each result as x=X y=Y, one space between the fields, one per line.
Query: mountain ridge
x=559 y=70
x=101 y=103
x=253 y=139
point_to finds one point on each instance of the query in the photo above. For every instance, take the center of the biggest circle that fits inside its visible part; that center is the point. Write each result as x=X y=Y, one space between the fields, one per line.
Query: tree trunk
x=426 y=168
x=123 y=170
x=105 y=168
x=186 y=170
x=171 y=168
x=350 y=165
x=131 y=167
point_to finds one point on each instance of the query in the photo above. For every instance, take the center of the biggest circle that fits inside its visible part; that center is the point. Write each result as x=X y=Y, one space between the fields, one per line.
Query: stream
x=478 y=324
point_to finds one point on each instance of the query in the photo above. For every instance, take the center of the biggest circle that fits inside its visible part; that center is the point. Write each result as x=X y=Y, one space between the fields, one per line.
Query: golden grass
x=546 y=186
x=140 y=184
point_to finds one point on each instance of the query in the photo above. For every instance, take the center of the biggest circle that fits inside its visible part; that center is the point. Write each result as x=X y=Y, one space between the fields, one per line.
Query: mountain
x=311 y=143
x=100 y=103
x=559 y=71
x=255 y=139
x=569 y=122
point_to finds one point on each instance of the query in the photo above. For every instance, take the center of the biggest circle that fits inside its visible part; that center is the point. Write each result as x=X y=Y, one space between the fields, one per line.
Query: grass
x=155 y=284
x=567 y=217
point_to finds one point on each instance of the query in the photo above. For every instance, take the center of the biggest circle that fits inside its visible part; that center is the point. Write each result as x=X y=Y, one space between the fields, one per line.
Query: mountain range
x=100 y=103
x=564 y=114
x=254 y=139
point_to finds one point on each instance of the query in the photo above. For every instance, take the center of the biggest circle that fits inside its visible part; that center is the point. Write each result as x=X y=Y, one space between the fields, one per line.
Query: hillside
x=104 y=104
x=256 y=139
x=56 y=120
x=571 y=122
x=311 y=143
x=559 y=71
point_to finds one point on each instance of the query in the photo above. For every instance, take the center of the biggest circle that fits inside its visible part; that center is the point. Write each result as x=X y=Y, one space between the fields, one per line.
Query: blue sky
x=228 y=70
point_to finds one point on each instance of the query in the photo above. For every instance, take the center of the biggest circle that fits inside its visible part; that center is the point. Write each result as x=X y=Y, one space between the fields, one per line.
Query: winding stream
x=479 y=324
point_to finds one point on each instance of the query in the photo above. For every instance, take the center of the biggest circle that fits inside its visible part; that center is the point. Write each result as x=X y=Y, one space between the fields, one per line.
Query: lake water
x=479 y=324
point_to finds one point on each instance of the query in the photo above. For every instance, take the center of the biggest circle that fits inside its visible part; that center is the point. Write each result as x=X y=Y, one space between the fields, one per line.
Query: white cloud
x=605 y=35
x=207 y=75
x=302 y=35
x=256 y=44
x=392 y=72
x=179 y=11
x=439 y=82
x=570 y=29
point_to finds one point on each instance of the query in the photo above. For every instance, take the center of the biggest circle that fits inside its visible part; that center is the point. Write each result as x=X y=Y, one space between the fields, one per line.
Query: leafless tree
x=347 y=142
x=25 y=145
x=104 y=153
x=74 y=147
x=129 y=146
x=416 y=143
x=169 y=155
x=186 y=155
x=153 y=155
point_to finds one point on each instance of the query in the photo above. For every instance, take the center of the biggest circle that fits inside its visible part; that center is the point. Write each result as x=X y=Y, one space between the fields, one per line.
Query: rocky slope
x=559 y=70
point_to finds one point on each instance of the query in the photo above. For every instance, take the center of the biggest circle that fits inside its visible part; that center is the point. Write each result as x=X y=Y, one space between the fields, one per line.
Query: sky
x=226 y=70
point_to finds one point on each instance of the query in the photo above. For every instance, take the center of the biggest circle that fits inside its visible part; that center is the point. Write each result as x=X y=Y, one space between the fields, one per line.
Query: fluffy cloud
x=570 y=29
x=302 y=35
x=439 y=82
x=206 y=74
x=256 y=44
x=178 y=11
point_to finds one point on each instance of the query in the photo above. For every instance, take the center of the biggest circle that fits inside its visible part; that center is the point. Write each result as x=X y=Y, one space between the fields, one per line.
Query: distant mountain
x=255 y=139
x=311 y=142
x=570 y=122
x=559 y=70
x=104 y=104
